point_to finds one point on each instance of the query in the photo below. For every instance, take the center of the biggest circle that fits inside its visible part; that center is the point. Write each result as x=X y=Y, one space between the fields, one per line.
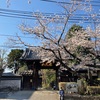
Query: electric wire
x=14 y=36
x=32 y=16
x=93 y=3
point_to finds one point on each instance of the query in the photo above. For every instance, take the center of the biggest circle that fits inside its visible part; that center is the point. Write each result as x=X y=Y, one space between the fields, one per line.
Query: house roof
x=10 y=74
x=82 y=67
x=27 y=72
x=37 y=53
x=29 y=54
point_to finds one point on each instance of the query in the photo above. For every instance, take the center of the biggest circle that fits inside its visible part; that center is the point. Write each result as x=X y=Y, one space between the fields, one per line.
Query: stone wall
x=14 y=84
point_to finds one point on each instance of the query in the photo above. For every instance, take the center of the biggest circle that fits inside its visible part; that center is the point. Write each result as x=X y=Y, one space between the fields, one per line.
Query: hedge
x=93 y=90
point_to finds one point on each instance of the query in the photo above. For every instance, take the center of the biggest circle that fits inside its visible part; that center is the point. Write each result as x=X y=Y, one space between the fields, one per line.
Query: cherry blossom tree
x=51 y=32
x=3 y=60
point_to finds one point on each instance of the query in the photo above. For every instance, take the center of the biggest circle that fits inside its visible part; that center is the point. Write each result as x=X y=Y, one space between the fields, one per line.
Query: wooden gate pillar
x=57 y=81
x=35 y=79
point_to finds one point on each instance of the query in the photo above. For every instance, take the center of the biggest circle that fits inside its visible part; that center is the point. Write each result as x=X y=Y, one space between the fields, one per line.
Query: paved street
x=3 y=95
x=31 y=95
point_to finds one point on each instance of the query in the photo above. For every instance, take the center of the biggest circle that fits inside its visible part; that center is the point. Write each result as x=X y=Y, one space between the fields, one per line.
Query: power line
x=93 y=3
x=16 y=17
x=31 y=14
x=5 y=46
x=22 y=14
x=16 y=11
x=14 y=36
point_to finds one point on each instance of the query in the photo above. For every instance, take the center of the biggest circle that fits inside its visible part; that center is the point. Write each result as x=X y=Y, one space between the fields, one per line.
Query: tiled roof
x=36 y=53
x=29 y=54
x=27 y=72
x=10 y=74
x=82 y=67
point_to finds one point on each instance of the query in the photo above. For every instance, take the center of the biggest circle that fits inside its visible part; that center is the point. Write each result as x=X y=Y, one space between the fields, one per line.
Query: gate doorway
x=48 y=78
x=27 y=80
x=38 y=68
x=39 y=78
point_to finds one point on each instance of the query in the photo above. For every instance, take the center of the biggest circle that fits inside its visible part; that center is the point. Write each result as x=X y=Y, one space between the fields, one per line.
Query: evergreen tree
x=14 y=57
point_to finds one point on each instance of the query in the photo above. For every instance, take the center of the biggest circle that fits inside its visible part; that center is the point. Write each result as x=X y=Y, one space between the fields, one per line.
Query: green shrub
x=82 y=85
x=93 y=90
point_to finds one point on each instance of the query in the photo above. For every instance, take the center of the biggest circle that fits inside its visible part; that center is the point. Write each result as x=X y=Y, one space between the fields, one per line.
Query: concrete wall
x=14 y=84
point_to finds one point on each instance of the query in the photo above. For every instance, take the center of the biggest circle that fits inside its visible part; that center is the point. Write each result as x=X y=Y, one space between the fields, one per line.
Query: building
x=31 y=79
x=10 y=80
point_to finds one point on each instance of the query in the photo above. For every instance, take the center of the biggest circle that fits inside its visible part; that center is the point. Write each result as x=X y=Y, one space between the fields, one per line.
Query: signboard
x=71 y=87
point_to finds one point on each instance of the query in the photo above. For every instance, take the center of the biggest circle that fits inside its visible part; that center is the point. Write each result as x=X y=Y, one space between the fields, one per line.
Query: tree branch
x=72 y=54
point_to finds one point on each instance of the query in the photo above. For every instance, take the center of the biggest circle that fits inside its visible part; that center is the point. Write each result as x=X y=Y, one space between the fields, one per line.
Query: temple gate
x=32 y=79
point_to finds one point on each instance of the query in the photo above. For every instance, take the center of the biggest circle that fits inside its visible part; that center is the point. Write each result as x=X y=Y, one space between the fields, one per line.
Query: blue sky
x=9 y=25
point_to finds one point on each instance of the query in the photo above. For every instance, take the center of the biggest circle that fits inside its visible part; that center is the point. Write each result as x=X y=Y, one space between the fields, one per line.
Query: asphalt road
x=30 y=95
x=3 y=95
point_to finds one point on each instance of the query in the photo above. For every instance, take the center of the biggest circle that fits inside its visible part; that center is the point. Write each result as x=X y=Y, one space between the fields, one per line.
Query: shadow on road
x=3 y=95
x=31 y=95
x=19 y=95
